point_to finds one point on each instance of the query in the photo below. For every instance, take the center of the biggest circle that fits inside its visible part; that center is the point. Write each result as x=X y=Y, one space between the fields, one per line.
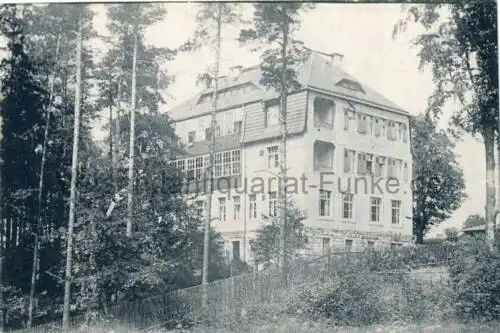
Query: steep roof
x=223 y=143
x=317 y=72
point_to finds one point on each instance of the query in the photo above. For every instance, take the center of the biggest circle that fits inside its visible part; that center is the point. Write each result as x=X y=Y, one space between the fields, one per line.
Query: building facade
x=348 y=154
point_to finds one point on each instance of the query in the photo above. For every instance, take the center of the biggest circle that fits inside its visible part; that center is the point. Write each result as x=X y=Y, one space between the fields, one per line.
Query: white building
x=339 y=132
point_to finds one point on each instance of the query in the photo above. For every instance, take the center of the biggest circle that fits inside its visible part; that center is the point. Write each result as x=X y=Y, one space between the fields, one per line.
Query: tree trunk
x=489 y=146
x=74 y=170
x=2 y=243
x=497 y=211
x=119 y=110
x=39 y=231
x=112 y=157
x=132 y=140
x=206 y=240
x=283 y=165
x=419 y=228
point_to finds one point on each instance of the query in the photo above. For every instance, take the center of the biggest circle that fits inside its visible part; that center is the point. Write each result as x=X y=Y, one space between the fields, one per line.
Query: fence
x=228 y=296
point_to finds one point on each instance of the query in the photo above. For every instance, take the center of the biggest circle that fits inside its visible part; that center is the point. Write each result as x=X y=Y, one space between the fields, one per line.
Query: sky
x=363 y=34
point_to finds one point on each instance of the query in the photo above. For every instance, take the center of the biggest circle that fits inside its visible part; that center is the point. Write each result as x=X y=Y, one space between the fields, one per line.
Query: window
x=228 y=120
x=369 y=125
x=236 y=208
x=325 y=245
x=370 y=244
x=190 y=169
x=323 y=154
x=391 y=130
x=272 y=204
x=369 y=163
x=323 y=112
x=395 y=245
x=377 y=127
x=325 y=202
x=208 y=133
x=236 y=250
x=191 y=136
x=375 y=209
x=361 y=163
x=206 y=164
x=226 y=163
x=252 y=209
x=347 y=203
x=405 y=171
x=217 y=164
x=198 y=171
x=236 y=158
x=348 y=160
x=272 y=113
x=361 y=123
x=217 y=130
x=237 y=127
x=396 y=211
x=379 y=166
x=200 y=208
x=391 y=167
x=383 y=124
x=272 y=157
x=348 y=245
x=351 y=85
x=222 y=209
x=404 y=133
x=346 y=120
x=399 y=169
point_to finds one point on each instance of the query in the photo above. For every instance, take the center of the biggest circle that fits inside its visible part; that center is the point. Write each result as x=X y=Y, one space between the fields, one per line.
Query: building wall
x=340 y=180
x=258 y=176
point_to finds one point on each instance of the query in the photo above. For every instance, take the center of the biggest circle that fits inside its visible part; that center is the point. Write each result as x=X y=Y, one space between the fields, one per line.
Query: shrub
x=347 y=298
x=360 y=296
x=475 y=279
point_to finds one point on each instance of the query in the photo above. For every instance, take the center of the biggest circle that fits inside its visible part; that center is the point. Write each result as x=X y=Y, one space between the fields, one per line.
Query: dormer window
x=351 y=85
x=205 y=98
x=191 y=136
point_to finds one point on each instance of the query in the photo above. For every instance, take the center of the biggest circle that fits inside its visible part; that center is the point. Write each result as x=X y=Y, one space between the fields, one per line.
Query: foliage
x=124 y=21
x=461 y=48
x=475 y=279
x=474 y=220
x=451 y=234
x=265 y=245
x=166 y=251
x=356 y=296
x=438 y=182
x=273 y=25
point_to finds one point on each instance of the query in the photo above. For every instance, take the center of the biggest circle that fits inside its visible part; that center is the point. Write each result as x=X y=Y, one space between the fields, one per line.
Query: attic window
x=351 y=85
x=205 y=98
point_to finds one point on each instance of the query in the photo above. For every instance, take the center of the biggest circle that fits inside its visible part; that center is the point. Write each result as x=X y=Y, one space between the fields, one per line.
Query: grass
x=295 y=326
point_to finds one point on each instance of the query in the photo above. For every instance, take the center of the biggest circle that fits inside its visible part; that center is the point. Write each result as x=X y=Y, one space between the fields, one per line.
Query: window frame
x=350 y=206
x=273 y=156
x=236 y=207
x=396 y=209
x=325 y=202
x=377 y=207
x=222 y=209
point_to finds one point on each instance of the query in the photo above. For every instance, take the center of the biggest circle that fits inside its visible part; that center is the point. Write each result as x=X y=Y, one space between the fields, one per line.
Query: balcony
x=323 y=155
x=323 y=112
